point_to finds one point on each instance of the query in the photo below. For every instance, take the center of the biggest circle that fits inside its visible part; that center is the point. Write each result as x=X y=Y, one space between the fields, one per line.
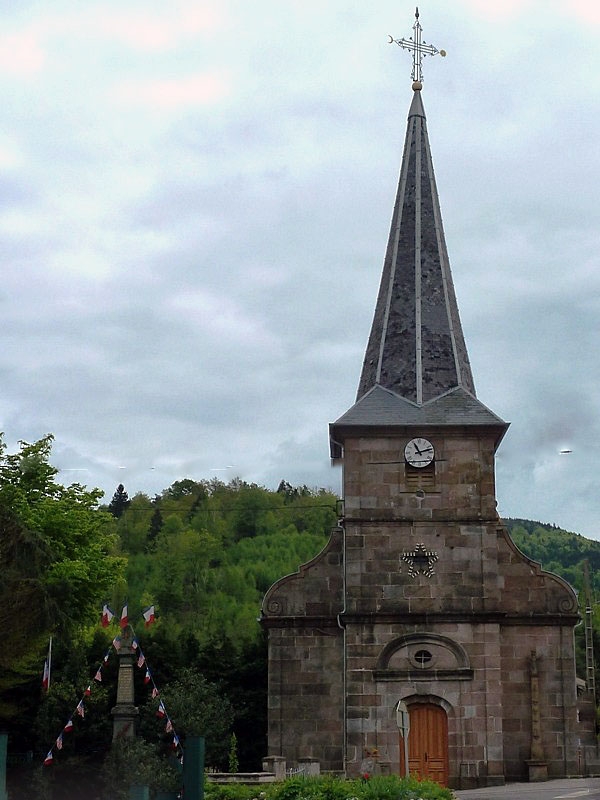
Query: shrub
x=325 y=787
x=232 y=791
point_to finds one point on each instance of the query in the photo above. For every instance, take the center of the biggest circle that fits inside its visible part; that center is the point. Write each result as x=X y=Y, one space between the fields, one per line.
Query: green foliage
x=558 y=551
x=91 y=734
x=134 y=761
x=196 y=708
x=234 y=763
x=206 y=552
x=58 y=556
x=392 y=787
x=235 y=791
x=379 y=787
x=323 y=787
x=120 y=501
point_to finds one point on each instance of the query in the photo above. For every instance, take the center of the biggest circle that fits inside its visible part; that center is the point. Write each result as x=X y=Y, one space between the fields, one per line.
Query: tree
x=196 y=708
x=120 y=501
x=58 y=562
x=156 y=523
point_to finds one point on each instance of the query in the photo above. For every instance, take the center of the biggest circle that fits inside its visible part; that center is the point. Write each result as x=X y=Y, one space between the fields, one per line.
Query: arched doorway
x=427 y=743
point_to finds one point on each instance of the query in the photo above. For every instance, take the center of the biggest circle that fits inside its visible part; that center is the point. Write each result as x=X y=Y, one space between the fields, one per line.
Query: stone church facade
x=420 y=596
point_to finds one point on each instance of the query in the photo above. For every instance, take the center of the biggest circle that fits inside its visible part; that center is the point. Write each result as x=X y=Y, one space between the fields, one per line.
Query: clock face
x=419 y=452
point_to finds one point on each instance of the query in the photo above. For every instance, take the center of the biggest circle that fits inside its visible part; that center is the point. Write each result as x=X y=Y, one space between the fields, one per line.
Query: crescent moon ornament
x=391 y=39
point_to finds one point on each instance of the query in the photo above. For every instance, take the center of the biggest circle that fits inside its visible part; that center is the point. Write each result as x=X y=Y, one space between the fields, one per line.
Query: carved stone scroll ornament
x=274 y=607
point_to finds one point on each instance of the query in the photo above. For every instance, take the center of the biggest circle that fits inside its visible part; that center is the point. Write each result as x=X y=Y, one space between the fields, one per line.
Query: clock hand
x=417 y=449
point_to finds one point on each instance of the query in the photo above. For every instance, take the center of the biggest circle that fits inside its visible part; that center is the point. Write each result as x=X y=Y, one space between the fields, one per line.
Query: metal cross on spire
x=419 y=48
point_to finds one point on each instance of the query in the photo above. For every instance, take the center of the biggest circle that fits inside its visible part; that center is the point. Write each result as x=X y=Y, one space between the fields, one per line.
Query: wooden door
x=427 y=744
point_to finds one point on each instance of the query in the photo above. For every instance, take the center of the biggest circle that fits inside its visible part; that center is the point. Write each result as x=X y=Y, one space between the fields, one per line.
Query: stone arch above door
x=423 y=656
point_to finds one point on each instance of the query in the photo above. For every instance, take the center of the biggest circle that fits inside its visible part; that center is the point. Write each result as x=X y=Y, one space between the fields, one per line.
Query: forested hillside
x=559 y=551
x=203 y=553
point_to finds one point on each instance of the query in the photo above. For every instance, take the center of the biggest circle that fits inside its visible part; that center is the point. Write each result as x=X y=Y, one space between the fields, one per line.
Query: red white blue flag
x=107 y=616
x=46 y=676
x=148 y=615
x=47 y=668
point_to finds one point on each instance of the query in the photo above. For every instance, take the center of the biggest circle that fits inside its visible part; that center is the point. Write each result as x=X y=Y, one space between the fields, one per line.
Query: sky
x=195 y=199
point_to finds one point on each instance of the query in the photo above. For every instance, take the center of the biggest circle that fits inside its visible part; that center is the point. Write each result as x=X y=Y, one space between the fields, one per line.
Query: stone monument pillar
x=538 y=768
x=125 y=712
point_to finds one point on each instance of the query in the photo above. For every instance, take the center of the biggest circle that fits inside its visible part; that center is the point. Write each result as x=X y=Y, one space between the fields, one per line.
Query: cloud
x=174 y=94
x=586 y=11
x=21 y=54
x=193 y=218
x=154 y=30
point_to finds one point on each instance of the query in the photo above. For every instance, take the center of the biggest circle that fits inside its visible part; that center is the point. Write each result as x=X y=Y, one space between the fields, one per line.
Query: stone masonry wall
x=463 y=677
x=306 y=695
x=558 y=702
x=422 y=563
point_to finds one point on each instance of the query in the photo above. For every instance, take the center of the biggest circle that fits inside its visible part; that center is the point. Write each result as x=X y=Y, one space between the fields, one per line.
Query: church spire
x=416 y=348
x=416 y=370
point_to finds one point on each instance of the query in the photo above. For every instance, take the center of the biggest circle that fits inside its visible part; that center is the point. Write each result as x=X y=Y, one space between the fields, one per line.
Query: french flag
x=124 y=617
x=148 y=615
x=107 y=615
x=46 y=676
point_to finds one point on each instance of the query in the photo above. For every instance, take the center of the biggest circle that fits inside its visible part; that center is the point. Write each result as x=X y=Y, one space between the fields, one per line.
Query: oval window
x=423 y=658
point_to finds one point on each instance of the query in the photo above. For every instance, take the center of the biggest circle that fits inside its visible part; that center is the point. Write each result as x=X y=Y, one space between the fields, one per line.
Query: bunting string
x=79 y=711
x=161 y=712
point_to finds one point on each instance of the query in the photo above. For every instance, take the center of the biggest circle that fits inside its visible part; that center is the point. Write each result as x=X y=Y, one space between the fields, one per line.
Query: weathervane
x=419 y=49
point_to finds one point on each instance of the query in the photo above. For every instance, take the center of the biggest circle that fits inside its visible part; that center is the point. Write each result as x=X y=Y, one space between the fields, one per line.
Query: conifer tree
x=120 y=501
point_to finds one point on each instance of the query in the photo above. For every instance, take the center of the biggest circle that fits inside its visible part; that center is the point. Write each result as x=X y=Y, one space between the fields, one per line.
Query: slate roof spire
x=416 y=348
x=416 y=372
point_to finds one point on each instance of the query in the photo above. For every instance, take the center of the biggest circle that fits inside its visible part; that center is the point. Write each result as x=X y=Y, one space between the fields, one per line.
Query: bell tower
x=421 y=597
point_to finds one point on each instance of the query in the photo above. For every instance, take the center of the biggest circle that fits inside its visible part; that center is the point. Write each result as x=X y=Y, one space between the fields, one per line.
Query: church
x=420 y=616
